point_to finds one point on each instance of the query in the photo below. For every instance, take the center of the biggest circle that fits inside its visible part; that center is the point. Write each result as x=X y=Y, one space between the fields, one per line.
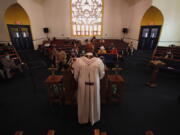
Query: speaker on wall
x=46 y=30
x=125 y=30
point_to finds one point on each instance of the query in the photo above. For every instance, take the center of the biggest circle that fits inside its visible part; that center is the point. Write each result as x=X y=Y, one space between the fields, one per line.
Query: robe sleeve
x=101 y=69
x=76 y=69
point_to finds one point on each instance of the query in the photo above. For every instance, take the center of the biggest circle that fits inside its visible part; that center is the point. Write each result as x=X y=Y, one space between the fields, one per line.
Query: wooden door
x=21 y=37
x=148 y=38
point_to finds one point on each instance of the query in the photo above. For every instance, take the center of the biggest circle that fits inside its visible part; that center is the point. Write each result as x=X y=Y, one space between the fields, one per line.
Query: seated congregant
x=93 y=39
x=114 y=50
x=2 y=71
x=60 y=59
x=169 y=52
x=131 y=48
x=102 y=41
x=85 y=42
x=74 y=54
x=71 y=60
x=102 y=50
x=9 y=65
x=75 y=51
x=53 y=53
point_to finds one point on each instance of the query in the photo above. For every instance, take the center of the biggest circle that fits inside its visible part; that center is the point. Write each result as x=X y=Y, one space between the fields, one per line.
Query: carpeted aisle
x=24 y=106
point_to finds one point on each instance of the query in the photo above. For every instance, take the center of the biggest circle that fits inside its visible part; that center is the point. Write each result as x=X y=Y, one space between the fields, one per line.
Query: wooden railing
x=11 y=51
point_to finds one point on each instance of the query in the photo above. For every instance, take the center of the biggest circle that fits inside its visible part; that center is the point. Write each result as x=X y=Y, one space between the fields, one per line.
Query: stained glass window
x=87 y=17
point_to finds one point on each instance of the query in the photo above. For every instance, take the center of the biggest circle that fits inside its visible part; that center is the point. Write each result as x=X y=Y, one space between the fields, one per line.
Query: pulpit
x=55 y=88
x=115 y=83
x=155 y=64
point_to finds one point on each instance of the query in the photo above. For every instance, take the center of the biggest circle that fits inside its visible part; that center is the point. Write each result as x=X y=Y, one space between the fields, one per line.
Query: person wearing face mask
x=102 y=50
x=9 y=65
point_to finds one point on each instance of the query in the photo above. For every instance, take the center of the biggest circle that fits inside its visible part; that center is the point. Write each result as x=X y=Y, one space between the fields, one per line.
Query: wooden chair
x=51 y=132
x=155 y=64
x=55 y=88
x=18 y=133
x=149 y=132
x=98 y=132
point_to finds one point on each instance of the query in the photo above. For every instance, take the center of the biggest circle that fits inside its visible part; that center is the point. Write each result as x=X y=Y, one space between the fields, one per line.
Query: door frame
x=149 y=26
x=19 y=29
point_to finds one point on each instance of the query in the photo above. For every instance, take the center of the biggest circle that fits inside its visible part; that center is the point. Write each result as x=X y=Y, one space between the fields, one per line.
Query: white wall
x=114 y=11
x=35 y=11
x=3 y=6
x=57 y=17
x=55 y=14
x=135 y=12
x=171 y=29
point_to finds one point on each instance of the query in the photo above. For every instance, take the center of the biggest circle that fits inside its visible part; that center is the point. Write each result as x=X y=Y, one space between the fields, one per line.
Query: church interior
x=92 y=67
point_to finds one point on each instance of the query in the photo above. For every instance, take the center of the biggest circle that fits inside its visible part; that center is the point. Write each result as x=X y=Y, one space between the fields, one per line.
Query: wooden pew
x=66 y=45
x=172 y=64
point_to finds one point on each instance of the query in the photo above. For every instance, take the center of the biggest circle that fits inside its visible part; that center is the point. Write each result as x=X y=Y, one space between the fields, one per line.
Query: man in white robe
x=88 y=72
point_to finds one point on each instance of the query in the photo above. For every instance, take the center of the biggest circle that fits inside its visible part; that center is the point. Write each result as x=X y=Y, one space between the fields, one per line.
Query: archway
x=151 y=25
x=153 y=16
x=15 y=14
x=18 y=27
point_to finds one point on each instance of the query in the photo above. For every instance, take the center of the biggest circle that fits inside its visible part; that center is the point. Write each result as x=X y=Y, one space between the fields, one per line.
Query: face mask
x=7 y=57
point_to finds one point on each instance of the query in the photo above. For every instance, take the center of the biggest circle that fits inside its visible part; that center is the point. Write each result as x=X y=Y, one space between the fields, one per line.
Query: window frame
x=101 y=24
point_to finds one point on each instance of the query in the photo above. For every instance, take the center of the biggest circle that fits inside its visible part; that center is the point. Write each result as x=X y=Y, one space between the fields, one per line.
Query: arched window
x=87 y=16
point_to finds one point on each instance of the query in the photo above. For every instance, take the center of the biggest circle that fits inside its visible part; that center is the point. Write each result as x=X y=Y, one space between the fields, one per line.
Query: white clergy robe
x=88 y=73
